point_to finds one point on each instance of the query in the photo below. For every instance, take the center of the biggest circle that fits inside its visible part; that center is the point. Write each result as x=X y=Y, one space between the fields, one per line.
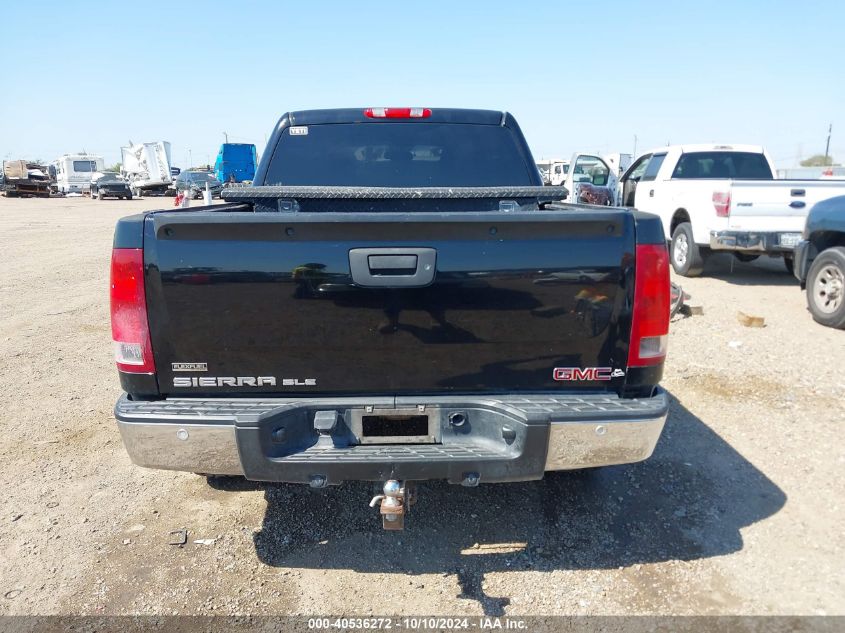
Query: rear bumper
x=757 y=241
x=505 y=438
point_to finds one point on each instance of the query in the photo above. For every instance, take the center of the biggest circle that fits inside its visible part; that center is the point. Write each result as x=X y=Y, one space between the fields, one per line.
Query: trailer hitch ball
x=392 y=488
x=393 y=502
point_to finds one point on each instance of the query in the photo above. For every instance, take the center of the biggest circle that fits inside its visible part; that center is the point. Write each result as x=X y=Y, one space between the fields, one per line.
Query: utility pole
x=635 y=145
x=226 y=136
x=827 y=146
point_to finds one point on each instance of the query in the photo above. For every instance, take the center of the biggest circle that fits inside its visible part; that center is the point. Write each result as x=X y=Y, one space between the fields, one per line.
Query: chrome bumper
x=575 y=432
x=762 y=242
x=188 y=446
x=589 y=444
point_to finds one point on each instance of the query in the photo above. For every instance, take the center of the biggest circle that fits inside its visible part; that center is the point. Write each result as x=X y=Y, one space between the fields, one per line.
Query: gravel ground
x=739 y=511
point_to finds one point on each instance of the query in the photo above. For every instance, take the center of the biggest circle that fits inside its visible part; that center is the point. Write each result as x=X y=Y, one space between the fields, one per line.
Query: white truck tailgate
x=777 y=205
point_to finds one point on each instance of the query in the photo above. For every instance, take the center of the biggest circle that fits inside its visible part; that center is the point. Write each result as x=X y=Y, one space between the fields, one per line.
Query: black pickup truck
x=397 y=298
x=820 y=262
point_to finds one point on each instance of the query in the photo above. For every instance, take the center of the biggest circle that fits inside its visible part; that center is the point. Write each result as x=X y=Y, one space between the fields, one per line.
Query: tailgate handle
x=797 y=192
x=797 y=204
x=392 y=262
x=392 y=267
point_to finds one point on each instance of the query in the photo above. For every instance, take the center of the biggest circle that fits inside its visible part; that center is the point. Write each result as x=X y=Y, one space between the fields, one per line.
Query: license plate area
x=395 y=426
x=789 y=240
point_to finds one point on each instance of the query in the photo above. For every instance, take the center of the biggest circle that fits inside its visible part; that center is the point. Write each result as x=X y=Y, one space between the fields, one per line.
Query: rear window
x=737 y=165
x=399 y=155
x=84 y=165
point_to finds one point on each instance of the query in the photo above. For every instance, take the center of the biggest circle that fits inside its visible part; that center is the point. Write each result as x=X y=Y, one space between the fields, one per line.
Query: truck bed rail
x=542 y=194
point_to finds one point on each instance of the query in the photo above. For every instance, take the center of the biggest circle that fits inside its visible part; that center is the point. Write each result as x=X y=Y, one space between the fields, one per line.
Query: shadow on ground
x=764 y=271
x=689 y=501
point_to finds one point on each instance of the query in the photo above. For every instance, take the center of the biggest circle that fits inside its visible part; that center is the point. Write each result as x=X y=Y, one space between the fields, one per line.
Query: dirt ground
x=739 y=511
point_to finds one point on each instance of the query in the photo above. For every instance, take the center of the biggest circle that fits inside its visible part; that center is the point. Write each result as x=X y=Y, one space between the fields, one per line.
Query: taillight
x=133 y=351
x=650 y=323
x=398 y=113
x=722 y=203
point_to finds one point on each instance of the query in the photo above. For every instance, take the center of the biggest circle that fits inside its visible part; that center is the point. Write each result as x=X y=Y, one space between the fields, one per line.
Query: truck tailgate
x=326 y=303
x=777 y=205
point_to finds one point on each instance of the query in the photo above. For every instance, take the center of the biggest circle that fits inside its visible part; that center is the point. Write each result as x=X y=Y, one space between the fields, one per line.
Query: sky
x=578 y=76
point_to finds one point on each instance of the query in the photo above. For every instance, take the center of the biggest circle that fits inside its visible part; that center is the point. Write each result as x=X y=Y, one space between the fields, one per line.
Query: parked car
x=721 y=198
x=820 y=262
x=109 y=184
x=193 y=183
x=345 y=318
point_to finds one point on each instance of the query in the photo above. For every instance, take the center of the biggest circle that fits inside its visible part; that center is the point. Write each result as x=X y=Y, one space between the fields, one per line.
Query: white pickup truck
x=721 y=198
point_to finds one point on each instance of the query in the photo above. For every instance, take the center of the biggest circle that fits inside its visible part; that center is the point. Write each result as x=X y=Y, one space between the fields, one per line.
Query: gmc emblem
x=566 y=374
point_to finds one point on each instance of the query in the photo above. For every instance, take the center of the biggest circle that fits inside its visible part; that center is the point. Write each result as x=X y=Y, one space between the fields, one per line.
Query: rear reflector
x=722 y=203
x=130 y=331
x=398 y=113
x=650 y=323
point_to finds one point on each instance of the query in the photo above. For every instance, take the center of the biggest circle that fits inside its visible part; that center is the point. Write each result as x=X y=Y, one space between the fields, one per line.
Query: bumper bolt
x=317 y=481
x=457 y=419
x=470 y=480
x=508 y=434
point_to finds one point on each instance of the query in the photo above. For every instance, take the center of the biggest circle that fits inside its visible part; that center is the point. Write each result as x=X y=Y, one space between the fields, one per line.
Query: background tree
x=817 y=160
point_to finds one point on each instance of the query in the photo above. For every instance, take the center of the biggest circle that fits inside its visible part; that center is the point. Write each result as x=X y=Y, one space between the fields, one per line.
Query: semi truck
x=147 y=168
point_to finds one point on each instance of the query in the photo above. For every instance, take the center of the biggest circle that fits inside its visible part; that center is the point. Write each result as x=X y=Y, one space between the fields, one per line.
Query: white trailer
x=146 y=166
x=74 y=171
